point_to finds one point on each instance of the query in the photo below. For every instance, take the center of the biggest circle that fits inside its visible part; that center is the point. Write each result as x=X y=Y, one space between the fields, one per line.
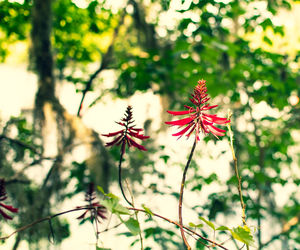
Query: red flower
x=3 y=197
x=198 y=120
x=125 y=136
x=97 y=211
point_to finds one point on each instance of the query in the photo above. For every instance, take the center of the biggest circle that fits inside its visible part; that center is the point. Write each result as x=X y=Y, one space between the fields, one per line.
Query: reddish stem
x=181 y=196
x=177 y=224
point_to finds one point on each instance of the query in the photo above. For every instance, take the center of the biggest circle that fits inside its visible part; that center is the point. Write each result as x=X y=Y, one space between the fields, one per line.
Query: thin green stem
x=181 y=195
x=236 y=171
x=136 y=214
x=120 y=176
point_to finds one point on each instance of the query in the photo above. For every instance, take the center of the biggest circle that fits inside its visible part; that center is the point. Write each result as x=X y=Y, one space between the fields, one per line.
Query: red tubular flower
x=3 y=197
x=198 y=120
x=125 y=136
x=97 y=211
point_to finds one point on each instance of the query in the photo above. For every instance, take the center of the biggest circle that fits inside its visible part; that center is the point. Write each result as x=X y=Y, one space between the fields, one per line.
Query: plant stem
x=181 y=195
x=107 y=229
x=120 y=177
x=136 y=214
x=177 y=224
x=43 y=219
x=236 y=171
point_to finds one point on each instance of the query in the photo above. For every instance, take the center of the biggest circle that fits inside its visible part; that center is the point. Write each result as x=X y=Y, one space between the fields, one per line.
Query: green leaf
x=133 y=226
x=269 y=118
x=266 y=23
x=210 y=224
x=222 y=228
x=101 y=190
x=191 y=224
x=211 y=178
x=242 y=234
x=165 y=158
x=147 y=210
x=279 y=30
x=113 y=206
x=267 y=40
x=102 y=248
x=121 y=209
x=110 y=195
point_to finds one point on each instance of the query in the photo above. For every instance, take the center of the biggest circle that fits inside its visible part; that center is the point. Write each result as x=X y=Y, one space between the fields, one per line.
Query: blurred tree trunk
x=56 y=128
x=47 y=106
x=42 y=54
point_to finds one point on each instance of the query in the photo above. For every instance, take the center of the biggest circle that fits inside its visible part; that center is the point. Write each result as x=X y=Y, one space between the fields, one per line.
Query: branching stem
x=184 y=227
x=44 y=219
x=107 y=229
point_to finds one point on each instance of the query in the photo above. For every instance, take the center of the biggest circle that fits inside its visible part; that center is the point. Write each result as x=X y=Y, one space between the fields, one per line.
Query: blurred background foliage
x=241 y=48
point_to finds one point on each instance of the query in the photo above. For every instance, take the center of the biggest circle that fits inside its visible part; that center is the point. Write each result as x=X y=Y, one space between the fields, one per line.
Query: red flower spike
x=126 y=136
x=197 y=120
x=3 y=197
x=97 y=211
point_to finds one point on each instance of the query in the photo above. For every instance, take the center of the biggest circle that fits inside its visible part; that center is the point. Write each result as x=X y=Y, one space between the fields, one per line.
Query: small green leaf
x=121 y=209
x=109 y=204
x=102 y=248
x=165 y=158
x=269 y=118
x=110 y=195
x=210 y=224
x=147 y=210
x=267 y=40
x=101 y=190
x=133 y=226
x=113 y=206
x=191 y=224
x=222 y=228
x=242 y=234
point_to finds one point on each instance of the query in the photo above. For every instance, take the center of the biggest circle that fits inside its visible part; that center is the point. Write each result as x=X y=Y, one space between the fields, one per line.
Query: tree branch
x=47 y=218
x=19 y=143
x=103 y=65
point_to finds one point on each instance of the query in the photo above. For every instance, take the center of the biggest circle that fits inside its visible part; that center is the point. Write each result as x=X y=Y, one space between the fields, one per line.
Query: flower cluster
x=198 y=120
x=97 y=211
x=3 y=197
x=127 y=134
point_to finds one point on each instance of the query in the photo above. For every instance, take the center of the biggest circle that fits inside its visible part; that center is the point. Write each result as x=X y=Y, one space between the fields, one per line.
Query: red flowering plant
x=3 y=197
x=126 y=136
x=97 y=211
x=199 y=121
x=196 y=120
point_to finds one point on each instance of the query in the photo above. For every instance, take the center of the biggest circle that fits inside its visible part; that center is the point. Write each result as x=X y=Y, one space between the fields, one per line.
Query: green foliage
x=242 y=234
x=191 y=224
x=14 y=25
x=101 y=248
x=148 y=211
x=210 y=224
x=198 y=45
x=133 y=226
x=113 y=206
